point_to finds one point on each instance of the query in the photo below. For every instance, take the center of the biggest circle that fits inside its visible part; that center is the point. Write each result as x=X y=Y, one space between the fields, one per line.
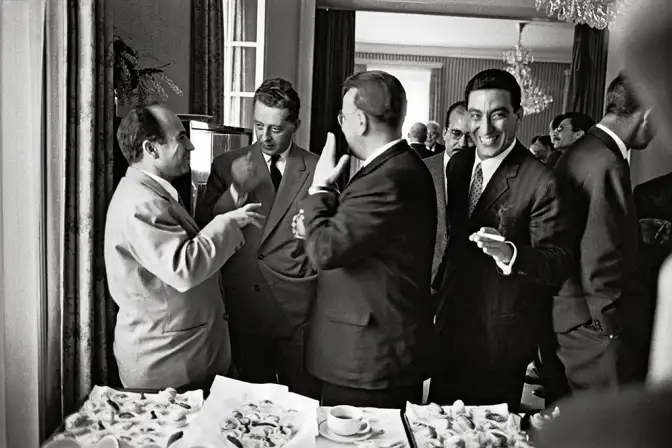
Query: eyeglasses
x=457 y=134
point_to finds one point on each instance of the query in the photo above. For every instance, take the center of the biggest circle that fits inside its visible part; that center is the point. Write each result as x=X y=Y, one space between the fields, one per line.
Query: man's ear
x=580 y=133
x=297 y=125
x=647 y=115
x=150 y=148
x=364 y=123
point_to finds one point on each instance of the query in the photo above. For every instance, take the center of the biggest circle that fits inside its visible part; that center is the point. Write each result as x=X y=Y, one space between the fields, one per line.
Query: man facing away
x=161 y=268
x=433 y=136
x=417 y=137
x=496 y=291
x=457 y=138
x=270 y=283
x=599 y=312
x=371 y=321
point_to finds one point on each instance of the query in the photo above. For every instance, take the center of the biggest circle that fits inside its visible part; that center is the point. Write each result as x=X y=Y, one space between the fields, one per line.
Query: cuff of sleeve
x=315 y=189
x=238 y=198
x=506 y=268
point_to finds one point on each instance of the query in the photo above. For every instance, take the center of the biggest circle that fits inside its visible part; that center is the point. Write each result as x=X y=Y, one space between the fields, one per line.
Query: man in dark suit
x=598 y=312
x=457 y=138
x=371 y=323
x=433 y=136
x=416 y=139
x=571 y=128
x=495 y=292
x=270 y=283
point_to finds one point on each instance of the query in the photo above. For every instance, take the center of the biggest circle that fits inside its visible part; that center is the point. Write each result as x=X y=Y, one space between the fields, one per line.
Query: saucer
x=329 y=434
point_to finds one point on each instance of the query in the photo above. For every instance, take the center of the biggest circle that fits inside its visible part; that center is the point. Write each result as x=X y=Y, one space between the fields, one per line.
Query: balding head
x=418 y=133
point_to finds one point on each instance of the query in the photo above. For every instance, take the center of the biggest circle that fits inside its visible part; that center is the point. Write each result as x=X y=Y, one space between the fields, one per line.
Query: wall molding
x=456 y=52
x=420 y=64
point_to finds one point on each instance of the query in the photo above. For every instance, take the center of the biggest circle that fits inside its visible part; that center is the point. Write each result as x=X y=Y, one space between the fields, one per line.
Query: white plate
x=329 y=434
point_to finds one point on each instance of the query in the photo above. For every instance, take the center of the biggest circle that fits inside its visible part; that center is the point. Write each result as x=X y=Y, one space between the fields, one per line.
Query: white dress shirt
x=165 y=184
x=488 y=167
x=446 y=159
x=620 y=143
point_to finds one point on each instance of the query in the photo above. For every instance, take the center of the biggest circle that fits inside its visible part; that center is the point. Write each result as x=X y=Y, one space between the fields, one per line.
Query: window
x=416 y=82
x=244 y=29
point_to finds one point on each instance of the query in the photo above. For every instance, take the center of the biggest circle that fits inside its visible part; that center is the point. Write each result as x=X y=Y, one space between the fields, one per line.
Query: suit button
x=261 y=257
x=256 y=288
x=225 y=316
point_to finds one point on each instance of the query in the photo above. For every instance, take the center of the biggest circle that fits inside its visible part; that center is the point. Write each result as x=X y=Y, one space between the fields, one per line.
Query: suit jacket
x=595 y=176
x=553 y=158
x=422 y=150
x=436 y=169
x=371 y=323
x=270 y=283
x=438 y=149
x=486 y=321
x=162 y=272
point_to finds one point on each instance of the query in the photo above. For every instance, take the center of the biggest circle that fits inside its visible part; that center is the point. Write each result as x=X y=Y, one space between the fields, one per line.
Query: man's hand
x=246 y=215
x=493 y=243
x=327 y=171
x=245 y=173
x=298 y=227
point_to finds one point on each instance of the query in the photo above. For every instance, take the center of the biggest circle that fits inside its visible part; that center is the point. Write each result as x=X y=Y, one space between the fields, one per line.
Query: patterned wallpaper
x=457 y=72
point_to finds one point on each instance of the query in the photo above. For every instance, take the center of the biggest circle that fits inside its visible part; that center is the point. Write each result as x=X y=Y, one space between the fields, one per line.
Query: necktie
x=276 y=176
x=476 y=188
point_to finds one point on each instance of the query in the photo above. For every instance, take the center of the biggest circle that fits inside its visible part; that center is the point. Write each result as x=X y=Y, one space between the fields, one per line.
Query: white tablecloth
x=389 y=420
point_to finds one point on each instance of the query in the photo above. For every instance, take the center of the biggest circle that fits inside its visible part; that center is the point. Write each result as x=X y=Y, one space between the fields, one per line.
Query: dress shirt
x=238 y=198
x=620 y=143
x=488 y=167
x=165 y=184
x=372 y=156
x=446 y=159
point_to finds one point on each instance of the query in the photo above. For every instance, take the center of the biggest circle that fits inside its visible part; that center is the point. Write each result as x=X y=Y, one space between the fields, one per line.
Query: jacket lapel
x=375 y=163
x=264 y=194
x=499 y=183
x=458 y=176
x=293 y=179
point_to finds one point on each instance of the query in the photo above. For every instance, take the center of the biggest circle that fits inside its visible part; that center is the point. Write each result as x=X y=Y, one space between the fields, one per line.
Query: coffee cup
x=347 y=421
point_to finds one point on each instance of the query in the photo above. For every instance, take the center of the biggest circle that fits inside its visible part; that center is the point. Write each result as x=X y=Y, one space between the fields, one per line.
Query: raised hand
x=246 y=215
x=327 y=170
x=493 y=243
x=244 y=173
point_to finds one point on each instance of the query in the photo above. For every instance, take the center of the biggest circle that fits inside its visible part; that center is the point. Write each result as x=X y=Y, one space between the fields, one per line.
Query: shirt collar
x=620 y=143
x=494 y=161
x=446 y=159
x=378 y=152
x=283 y=154
x=164 y=183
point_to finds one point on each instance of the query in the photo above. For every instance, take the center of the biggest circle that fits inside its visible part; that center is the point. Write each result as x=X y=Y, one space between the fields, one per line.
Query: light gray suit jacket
x=163 y=273
x=437 y=170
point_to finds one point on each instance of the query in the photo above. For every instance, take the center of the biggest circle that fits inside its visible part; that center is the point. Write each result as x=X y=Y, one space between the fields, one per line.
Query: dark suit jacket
x=486 y=321
x=595 y=177
x=438 y=149
x=270 y=283
x=553 y=158
x=371 y=323
x=436 y=169
x=422 y=150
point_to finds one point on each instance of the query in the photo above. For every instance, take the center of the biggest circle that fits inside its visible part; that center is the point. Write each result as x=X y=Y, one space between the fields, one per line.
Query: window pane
x=239 y=112
x=241 y=20
x=243 y=69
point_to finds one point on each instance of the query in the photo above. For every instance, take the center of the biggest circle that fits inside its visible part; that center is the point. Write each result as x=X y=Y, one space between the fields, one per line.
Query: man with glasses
x=457 y=138
x=433 y=135
x=572 y=126
x=371 y=323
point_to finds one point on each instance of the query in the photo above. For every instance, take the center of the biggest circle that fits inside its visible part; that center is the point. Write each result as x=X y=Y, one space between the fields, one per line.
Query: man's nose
x=190 y=146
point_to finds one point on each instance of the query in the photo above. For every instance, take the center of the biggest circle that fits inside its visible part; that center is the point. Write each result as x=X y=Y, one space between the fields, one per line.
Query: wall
x=160 y=31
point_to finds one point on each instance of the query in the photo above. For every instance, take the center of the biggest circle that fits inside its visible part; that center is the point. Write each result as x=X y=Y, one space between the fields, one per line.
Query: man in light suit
x=457 y=138
x=371 y=321
x=161 y=268
x=496 y=292
x=270 y=283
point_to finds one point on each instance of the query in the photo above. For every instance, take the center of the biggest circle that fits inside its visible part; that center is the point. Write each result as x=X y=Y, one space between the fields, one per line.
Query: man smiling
x=508 y=245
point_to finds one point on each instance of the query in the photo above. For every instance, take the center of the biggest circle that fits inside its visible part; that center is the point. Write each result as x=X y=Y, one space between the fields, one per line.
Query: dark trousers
x=590 y=359
x=274 y=360
x=551 y=370
x=392 y=398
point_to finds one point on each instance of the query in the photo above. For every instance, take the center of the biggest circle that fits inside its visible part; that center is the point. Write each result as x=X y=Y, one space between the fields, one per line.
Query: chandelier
x=598 y=14
x=518 y=61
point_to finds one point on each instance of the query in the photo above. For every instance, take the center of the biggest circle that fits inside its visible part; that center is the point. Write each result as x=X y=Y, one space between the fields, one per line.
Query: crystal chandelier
x=598 y=14
x=518 y=61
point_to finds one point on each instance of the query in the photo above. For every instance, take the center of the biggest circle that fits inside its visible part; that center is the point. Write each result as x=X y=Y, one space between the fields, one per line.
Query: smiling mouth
x=488 y=140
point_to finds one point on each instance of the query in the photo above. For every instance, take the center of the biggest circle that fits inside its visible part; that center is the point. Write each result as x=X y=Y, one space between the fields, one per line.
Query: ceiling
x=443 y=35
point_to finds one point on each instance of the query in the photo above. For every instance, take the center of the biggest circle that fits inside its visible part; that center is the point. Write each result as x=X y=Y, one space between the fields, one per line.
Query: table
x=389 y=420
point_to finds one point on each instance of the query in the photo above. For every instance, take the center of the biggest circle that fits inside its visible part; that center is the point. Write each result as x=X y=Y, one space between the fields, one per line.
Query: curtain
x=79 y=150
x=334 y=61
x=588 y=71
x=207 y=60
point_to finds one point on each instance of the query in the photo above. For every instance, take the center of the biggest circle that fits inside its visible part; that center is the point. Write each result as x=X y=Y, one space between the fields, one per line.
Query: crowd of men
x=462 y=267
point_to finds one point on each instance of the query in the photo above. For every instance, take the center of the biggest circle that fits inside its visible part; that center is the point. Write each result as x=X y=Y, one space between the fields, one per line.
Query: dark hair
x=580 y=121
x=495 y=78
x=544 y=140
x=279 y=94
x=622 y=100
x=379 y=95
x=452 y=107
x=556 y=121
x=138 y=125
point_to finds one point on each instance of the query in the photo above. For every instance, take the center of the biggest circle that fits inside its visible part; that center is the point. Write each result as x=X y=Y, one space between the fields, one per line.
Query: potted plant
x=133 y=84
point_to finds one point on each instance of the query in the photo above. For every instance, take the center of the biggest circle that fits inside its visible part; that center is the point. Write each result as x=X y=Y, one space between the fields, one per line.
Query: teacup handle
x=366 y=427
